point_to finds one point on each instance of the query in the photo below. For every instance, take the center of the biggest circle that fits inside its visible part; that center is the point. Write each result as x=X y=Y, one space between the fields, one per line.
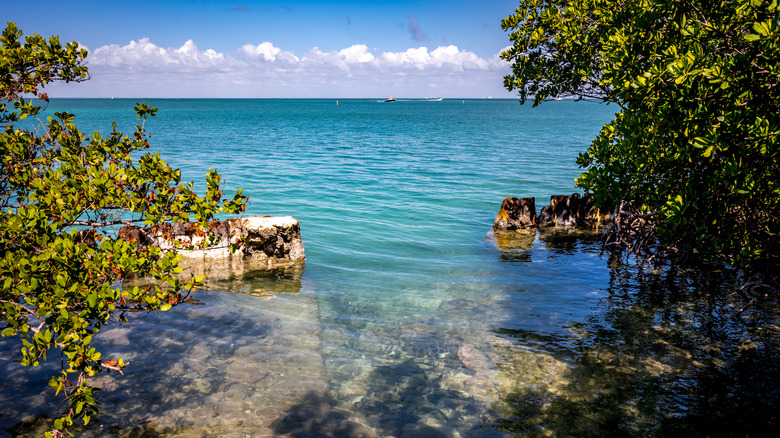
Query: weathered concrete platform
x=257 y=243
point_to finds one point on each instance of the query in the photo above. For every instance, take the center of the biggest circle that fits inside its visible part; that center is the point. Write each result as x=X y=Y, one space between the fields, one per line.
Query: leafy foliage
x=62 y=195
x=694 y=150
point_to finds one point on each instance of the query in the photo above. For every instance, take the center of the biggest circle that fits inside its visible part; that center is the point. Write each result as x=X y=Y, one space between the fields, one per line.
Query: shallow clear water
x=410 y=318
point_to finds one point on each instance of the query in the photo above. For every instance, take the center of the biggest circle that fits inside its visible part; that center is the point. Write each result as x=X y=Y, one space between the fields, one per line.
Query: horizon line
x=291 y=98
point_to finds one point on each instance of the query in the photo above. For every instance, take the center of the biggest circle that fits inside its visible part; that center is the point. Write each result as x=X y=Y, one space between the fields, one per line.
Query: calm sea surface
x=410 y=318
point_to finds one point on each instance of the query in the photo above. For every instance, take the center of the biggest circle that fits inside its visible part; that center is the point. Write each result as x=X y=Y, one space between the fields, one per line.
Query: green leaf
x=54 y=174
x=92 y=300
x=8 y=332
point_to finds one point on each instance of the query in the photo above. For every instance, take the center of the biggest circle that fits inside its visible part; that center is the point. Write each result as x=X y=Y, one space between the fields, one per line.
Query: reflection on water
x=515 y=245
x=667 y=353
x=263 y=283
x=407 y=320
x=544 y=340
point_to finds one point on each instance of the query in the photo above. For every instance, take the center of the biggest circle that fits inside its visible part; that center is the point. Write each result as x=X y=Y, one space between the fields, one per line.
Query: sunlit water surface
x=410 y=317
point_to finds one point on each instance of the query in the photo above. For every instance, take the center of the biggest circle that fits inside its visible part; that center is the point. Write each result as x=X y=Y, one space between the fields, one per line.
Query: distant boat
x=389 y=99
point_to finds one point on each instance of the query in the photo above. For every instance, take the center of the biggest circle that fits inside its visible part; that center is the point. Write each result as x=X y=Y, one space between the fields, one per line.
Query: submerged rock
x=474 y=359
x=458 y=304
x=516 y=213
x=421 y=430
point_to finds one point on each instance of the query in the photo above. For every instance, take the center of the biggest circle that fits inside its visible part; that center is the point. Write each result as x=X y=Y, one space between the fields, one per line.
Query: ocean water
x=410 y=317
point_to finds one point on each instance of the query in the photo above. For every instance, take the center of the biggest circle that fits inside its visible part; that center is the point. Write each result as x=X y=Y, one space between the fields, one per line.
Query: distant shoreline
x=421 y=99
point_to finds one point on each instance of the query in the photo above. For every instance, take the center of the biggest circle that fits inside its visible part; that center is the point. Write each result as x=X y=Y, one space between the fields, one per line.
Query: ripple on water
x=409 y=318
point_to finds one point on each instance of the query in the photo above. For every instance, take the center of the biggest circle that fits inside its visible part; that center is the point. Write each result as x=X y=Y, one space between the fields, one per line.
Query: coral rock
x=516 y=213
x=562 y=211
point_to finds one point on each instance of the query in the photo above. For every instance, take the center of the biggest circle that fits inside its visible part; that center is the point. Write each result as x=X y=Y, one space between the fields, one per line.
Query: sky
x=276 y=49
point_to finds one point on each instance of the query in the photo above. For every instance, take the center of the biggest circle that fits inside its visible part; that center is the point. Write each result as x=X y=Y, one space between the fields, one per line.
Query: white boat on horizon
x=414 y=99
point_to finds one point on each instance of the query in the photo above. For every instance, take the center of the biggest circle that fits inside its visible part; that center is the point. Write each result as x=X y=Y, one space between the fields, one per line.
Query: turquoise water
x=410 y=318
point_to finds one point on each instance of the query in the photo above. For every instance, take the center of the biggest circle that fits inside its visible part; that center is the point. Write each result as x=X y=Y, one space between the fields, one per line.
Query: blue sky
x=279 y=49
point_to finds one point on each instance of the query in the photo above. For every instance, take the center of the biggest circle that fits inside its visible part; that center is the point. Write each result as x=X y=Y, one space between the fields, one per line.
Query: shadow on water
x=318 y=415
x=667 y=352
x=551 y=343
x=400 y=378
x=400 y=399
x=145 y=391
x=570 y=241
x=232 y=366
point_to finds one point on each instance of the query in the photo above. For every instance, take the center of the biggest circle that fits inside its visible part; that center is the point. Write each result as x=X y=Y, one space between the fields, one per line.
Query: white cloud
x=264 y=70
x=356 y=54
x=268 y=52
x=145 y=54
x=445 y=58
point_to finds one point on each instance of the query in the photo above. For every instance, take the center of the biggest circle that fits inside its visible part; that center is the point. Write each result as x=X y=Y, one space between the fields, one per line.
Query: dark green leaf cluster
x=24 y=68
x=694 y=149
x=63 y=195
